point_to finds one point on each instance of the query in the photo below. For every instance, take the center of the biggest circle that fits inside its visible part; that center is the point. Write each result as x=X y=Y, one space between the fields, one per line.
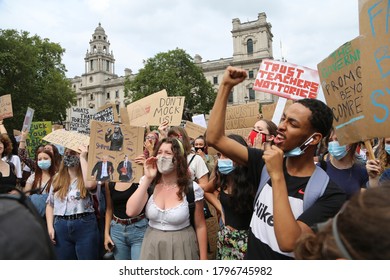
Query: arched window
x=249 y=46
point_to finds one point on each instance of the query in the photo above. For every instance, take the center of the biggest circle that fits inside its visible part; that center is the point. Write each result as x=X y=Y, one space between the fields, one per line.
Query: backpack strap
x=315 y=187
x=263 y=180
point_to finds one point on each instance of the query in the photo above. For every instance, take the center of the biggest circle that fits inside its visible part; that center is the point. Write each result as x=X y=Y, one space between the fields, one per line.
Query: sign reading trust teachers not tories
x=287 y=80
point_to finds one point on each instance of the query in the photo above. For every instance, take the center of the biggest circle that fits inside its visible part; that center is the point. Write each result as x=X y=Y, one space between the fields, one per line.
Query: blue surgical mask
x=44 y=164
x=387 y=148
x=225 y=166
x=337 y=151
x=299 y=150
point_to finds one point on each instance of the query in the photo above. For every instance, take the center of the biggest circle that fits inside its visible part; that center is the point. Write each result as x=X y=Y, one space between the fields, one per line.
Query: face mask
x=225 y=166
x=71 y=160
x=44 y=164
x=200 y=148
x=165 y=165
x=253 y=135
x=299 y=150
x=387 y=148
x=337 y=151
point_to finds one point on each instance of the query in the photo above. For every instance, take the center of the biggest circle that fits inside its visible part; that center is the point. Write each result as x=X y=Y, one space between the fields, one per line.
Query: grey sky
x=137 y=30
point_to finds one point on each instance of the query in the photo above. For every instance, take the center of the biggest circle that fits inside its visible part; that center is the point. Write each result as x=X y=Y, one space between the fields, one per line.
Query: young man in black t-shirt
x=278 y=219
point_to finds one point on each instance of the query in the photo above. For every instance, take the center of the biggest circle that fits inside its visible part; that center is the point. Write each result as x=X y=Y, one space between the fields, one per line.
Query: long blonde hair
x=62 y=182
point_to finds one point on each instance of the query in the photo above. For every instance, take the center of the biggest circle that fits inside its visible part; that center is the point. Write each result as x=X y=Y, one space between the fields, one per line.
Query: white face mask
x=165 y=165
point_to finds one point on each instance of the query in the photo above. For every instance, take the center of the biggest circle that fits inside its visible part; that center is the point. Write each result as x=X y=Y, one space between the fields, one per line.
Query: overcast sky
x=137 y=30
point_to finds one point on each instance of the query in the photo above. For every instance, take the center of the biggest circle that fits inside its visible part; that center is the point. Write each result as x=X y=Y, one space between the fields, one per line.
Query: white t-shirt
x=197 y=167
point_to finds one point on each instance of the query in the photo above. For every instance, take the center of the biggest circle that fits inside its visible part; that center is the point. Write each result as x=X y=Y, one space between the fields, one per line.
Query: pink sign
x=287 y=80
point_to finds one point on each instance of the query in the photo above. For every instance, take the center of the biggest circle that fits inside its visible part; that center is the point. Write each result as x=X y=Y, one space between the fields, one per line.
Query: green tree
x=175 y=72
x=31 y=71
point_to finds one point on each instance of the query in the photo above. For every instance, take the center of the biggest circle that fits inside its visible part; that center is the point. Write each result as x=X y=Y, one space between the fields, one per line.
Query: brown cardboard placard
x=69 y=139
x=287 y=80
x=194 y=130
x=6 y=107
x=138 y=111
x=341 y=81
x=375 y=61
x=242 y=116
x=169 y=109
x=267 y=110
x=124 y=116
x=106 y=113
x=114 y=142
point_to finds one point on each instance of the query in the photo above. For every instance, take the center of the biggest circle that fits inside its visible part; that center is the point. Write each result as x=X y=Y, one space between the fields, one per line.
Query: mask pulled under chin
x=299 y=150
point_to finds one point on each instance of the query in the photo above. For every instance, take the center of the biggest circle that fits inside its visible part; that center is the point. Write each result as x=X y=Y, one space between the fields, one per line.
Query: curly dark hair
x=180 y=159
x=321 y=115
x=242 y=191
x=7 y=145
x=362 y=226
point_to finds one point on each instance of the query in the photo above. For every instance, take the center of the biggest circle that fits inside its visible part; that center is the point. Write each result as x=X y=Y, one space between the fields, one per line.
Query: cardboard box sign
x=68 y=139
x=341 y=81
x=375 y=62
x=6 y=106
x=106 y=113
x=112 y=150
x=138 y=111
x=287 y=80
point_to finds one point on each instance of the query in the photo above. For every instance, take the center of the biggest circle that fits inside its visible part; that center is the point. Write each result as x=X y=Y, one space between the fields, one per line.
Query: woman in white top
x=170 y=234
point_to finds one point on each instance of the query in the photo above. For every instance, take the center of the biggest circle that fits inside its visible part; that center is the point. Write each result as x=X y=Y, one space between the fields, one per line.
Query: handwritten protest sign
x=375 y=63
x=6 y=106
x=124 y=116
x=38 y=131
x=112 y=151
x=169 y=109
x=80 y=118
x=68 y=139
x=106 y=113
x=341 y=81
x=287 y=80
x=194 y=130
x=242 y=116
x=28 y=119
x=138 y=111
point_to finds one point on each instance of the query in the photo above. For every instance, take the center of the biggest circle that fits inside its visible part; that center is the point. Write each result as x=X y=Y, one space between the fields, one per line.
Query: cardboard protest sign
x=124 y=116
x=194 y=130
x=341 y=81
x=138 y=111
x=68 y=139
x=80 y=118
x=375 y=64
x=106 y=113
x=242 y=116
x=6 y=107
x=28 y=119
x=267 y=110
x=168 y=108
x=112 y=151
x=200 y=120
x=287 y=80
x=37 y=132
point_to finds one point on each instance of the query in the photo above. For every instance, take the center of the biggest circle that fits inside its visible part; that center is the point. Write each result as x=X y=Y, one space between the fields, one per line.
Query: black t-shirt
x=233 y=218
x=119 y=199
x=262 y=242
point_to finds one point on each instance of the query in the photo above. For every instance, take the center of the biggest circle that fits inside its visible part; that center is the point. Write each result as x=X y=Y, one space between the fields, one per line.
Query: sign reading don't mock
x=287 y=80
x=169 y=109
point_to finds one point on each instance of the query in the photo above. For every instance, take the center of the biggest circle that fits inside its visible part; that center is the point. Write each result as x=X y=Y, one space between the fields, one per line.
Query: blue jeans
x=128 y=239
x=77 y=239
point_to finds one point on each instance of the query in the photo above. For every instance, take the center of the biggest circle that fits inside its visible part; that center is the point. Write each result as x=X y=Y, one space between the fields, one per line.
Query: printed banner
x=375 y=62
x=341 y=81
x=287 y=80
x=80 y=118
x=6 y=107
x=112 y=151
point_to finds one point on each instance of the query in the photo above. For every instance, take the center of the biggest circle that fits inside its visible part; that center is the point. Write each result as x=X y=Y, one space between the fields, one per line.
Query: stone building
x=99 y=85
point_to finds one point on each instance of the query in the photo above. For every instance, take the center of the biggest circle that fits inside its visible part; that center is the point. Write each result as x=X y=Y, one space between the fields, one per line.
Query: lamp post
x=246 y=99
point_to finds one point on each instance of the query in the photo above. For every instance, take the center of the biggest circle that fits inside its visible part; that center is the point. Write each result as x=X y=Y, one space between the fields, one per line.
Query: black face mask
x=71 y=160
x=200 y=148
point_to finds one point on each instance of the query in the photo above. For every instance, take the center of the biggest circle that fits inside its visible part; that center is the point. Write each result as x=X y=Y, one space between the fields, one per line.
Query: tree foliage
x=31 y=71
x=175 y=72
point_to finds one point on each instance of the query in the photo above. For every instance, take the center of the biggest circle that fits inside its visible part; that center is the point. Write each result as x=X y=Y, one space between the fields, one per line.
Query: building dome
x=100 y=29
